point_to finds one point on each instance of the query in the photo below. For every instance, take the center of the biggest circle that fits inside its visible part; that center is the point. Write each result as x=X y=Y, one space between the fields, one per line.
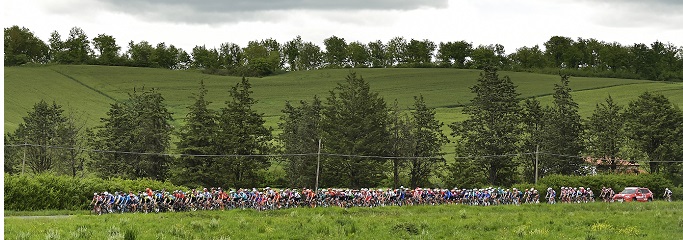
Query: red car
x=634 y=193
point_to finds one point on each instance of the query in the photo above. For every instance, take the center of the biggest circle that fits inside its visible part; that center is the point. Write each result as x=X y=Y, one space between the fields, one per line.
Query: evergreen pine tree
x=241 y=131
x=197 y=138
x=492 y=129
x=428 y=138
x=354 y=123
x=562 y=133
x=605 y=132
x=300 y=134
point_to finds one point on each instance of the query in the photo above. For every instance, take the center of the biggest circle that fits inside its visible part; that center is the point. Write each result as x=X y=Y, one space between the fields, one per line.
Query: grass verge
x=657 y=220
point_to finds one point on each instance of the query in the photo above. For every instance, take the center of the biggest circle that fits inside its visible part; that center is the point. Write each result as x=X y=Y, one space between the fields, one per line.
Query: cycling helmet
x=95 y=194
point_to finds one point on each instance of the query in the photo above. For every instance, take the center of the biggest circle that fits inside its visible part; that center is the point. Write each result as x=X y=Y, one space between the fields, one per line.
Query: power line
x=310 y=154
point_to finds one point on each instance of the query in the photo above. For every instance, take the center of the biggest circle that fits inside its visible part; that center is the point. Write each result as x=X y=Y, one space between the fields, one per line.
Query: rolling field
x=656 y=220
x=90 y=89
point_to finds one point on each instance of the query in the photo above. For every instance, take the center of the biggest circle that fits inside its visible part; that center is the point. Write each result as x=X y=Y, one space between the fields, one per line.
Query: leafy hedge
x=50 y=192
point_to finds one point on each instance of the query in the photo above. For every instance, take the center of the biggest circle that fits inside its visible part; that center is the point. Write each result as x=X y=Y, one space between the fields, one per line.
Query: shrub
x=677 y=193
x=47 y=191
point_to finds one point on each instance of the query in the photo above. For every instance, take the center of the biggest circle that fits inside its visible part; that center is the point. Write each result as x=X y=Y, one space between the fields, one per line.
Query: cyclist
x=134 y=201
x=610 y=194
x=168 y=201
x=550 y=195
x=603 y=194
x=222 y=198
x=109 y=201
x=534 y=196
x=526 y=195
x=96 y=201
x=124 y=200
x=667 y=194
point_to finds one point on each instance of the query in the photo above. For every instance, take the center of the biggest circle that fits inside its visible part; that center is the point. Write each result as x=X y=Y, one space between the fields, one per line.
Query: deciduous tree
x=378 y=54
x=359 y=55
x=77 y=47
x=140 y=53
x=396 y=51
x=454 y=53
x=336 y=52
x=420 y=52
x=107 y=49
x=22 y=46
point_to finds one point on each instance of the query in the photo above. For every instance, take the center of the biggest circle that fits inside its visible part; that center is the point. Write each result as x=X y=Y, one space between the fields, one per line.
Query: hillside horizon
x=90 y=89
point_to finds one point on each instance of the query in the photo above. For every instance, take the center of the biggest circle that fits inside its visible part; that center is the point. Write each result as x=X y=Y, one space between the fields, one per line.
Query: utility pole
x=317 y=171
x=23 y=162
x=536 y=175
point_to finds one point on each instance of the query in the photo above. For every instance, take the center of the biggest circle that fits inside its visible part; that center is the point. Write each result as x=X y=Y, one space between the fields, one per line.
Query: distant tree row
x=580 y=57
x=373 y=144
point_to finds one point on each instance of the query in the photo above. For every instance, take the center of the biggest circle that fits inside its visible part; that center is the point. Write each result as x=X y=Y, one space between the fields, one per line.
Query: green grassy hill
x=90 y=89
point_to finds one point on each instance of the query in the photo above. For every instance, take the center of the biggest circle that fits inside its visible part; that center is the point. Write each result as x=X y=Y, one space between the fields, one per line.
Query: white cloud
x=512 y=23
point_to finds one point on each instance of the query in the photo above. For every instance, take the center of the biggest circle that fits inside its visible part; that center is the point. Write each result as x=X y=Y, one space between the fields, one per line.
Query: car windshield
x=629 y=191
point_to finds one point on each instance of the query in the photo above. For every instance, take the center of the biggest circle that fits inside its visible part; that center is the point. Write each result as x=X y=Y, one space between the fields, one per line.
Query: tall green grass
x=656 y=220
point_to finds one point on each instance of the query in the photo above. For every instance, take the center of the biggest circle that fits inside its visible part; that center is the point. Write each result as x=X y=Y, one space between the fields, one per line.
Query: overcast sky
x=513 y=23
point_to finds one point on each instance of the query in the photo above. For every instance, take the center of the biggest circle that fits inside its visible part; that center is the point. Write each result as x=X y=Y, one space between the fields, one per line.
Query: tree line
x=579 y=57
x=369 y=142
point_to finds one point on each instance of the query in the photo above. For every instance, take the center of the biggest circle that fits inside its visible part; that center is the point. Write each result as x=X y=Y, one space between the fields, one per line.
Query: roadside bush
x=677 y=193
x=50 y=192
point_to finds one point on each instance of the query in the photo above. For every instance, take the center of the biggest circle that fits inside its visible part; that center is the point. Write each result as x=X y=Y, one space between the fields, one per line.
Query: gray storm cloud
x=205 y=11
x=265 y=5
